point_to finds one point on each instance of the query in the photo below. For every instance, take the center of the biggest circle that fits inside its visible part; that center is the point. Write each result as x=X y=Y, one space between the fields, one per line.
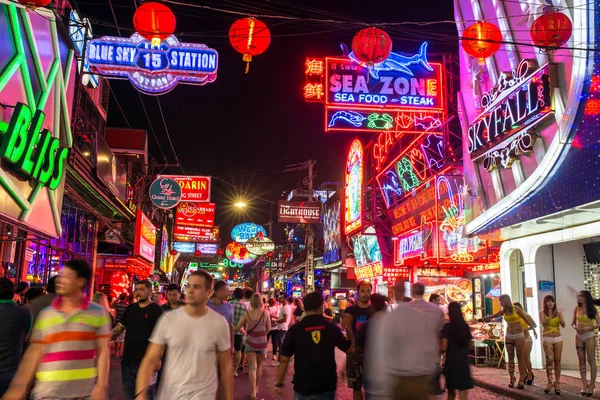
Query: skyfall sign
x=519 y=101
x=153 y=69
x=300 y=212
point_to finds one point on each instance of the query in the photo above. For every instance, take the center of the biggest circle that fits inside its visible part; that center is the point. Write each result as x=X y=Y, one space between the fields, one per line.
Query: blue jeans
x=129 y=374
x=320 y=396
x=280 y=339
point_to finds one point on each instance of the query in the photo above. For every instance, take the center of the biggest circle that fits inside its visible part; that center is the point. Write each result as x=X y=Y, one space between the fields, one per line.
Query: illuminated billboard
x=193 y=188
x=145 y=237
x=243 y=232
x=199 y=215
x=193 y=234
x=353 y=188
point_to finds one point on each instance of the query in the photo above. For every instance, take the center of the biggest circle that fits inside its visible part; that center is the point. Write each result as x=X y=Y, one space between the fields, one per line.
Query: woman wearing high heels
x=514 y=338
x=551 y=321
x=527 y=326
x=585 y=321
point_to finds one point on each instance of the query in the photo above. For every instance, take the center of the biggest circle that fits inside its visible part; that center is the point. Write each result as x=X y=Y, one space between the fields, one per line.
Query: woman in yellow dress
x=552 y=320
x=528 y=326
x=514 y=338
x=585 y=321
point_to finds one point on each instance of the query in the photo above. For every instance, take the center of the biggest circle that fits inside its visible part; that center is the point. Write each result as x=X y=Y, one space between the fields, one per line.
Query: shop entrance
x=517 y=273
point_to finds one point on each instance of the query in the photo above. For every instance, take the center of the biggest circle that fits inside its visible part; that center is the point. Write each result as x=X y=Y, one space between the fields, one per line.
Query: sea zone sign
x=153 y=69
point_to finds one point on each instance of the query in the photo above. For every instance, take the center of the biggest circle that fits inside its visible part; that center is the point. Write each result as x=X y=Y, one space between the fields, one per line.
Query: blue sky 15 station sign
x=153 y=69
x=399 y=82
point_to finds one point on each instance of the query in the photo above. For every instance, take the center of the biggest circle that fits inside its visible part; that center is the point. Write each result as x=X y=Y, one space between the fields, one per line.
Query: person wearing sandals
x=528 y=344
x=585 y=321
x=255 y=324
x=456 y=340
x=551 y=321
x=514 y=338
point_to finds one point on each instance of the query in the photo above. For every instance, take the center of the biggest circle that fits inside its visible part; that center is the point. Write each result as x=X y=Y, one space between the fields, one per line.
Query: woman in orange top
x=514 y=338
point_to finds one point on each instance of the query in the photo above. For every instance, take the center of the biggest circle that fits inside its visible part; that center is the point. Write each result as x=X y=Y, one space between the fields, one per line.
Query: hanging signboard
x=200 y=215
x=110 y=170
x=376 y=119
x=237 y=253
x=184 y=247
x=152 y=69
x=193 y=234
x=145 y=237
x=207 y=248
x=369 y=271
x=243 y=232
x=260 y=246
x=80 y=30
x=300 y=212
x=165 y=193
x=353 y=188
x=193 y=188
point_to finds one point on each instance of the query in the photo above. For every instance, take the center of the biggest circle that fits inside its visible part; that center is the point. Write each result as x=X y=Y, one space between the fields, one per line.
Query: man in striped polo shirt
x=69 y=353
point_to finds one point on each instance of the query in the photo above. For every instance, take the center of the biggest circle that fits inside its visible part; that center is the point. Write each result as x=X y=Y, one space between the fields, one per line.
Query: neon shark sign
x=399 y=82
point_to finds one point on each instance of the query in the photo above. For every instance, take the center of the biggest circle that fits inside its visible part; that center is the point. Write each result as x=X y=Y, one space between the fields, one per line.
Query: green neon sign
x=34 y=151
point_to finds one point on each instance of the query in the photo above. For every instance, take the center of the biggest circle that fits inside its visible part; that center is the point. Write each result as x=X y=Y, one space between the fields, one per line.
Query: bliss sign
x=519 y=101
x=153 y=69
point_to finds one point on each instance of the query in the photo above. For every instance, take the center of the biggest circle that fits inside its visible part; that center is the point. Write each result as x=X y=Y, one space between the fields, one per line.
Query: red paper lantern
x=35 y=3
x=287 y=255
x=173 y=252
x=243 y=251
x=270 y=254
x=551 y=29
x=197 y=253
x=220 y=252
x=250 y=37
x=154 y=21
x=481 y=40
x=372 y=45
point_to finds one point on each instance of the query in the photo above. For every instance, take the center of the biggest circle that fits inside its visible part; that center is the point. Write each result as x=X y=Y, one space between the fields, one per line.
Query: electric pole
x=309 y=268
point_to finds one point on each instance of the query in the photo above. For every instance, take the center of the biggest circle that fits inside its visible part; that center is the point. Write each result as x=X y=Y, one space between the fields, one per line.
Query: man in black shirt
x=15 y=326
x=312 y=342
x=354 y=317
x=139 y=319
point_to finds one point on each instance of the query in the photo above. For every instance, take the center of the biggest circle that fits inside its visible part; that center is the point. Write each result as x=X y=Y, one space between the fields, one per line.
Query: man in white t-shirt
x=198 y=341
x=284 y=322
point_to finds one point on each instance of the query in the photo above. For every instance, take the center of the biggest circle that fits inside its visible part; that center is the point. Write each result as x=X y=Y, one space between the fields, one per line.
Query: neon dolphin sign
x=395 y=62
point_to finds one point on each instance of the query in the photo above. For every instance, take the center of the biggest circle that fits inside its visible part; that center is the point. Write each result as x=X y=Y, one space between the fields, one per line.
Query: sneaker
x=276 y=364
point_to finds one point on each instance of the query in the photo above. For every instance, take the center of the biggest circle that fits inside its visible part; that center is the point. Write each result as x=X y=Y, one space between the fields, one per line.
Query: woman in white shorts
x=527 y=326
x=585 y=322
x=551 y=320
x=514 y=338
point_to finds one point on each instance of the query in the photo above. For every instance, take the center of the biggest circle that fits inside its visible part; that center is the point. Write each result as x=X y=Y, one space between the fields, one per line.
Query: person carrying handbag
x=255 y=324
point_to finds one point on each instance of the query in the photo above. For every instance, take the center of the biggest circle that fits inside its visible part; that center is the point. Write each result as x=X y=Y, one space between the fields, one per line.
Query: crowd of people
x=55 y=344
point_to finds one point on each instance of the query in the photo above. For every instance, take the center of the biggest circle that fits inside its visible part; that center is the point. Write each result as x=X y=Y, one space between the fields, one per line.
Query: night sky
x=246 y=128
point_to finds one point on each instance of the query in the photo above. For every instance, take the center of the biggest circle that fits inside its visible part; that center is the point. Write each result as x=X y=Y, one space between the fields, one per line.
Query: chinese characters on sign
x=353 y=190
x=313 y=88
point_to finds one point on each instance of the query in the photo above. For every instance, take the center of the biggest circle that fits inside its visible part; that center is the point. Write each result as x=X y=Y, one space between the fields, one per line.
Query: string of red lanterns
x=551 y=30
x=481 y=40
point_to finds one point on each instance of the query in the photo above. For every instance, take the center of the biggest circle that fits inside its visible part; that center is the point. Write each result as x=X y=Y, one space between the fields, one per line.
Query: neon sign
x=353 y=188
x=399 y=82
x=34 y=151
x=243 y=232
x=238 y=253
x=515 y=105
x=369 y=271
x=78 y=28
x=314 y=90
x=153 y=69
x=411 y=245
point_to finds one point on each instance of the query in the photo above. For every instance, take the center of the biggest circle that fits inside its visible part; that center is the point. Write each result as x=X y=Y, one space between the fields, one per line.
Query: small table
x=480 y=344
x=499 y=351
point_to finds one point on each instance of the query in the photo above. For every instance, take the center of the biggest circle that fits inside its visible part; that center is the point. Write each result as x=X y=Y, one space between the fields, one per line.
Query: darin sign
x=34 y=151
x=153 y=69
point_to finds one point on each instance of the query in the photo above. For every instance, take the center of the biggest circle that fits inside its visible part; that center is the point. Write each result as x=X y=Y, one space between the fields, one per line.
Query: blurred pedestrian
x=328 y=309
x=22 y=288
x=372 y=366
x=44 y=300
x=192 y=367
x=298 y=310
x=585 y=320
x=101 y=299
x=239 y=309
x=312 y=343
x=456 y=341
x=33 y=294
x=68 y=351
x=406 y=342
x=274 y=312
x=120 y=307
x=161 y=298
x=256 y=324
x=528 y=344
x=15 y=326
x=284 y=321
x=354 y=317
x=139 y=319
x=173 y=298
x=218 y=302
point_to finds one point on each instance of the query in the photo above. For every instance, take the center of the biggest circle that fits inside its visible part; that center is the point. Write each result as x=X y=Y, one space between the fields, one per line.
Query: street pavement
x=242 y=389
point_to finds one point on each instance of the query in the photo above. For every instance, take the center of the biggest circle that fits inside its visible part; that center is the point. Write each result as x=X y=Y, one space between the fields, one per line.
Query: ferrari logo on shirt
x=316 y=336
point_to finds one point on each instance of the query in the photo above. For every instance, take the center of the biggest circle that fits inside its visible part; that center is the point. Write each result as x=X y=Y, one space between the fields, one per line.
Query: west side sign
x=153 y=69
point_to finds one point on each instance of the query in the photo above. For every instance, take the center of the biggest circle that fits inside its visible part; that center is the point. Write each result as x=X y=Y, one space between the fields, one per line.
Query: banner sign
x=300 y=212
x=184 y=247
x=165 y=193
x=260 y=246
x=152 y=69
x=193 y=234
x=193 y=188
x=243 y=232
x=208 y=248
x=398 y=82
x=200 y=215
x=145 y=237
x=369 y=271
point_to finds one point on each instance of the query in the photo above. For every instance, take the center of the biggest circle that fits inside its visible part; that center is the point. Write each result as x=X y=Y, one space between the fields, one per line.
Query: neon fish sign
x=153 y=69
x=353 y=188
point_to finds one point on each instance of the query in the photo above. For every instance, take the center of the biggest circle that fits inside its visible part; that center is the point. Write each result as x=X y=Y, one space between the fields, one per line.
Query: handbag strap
x=261 y=318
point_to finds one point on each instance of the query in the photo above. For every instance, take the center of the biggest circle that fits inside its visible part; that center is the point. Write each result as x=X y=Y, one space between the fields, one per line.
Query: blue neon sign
x=242 y=232
x=77 y=31
x=153 y=69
